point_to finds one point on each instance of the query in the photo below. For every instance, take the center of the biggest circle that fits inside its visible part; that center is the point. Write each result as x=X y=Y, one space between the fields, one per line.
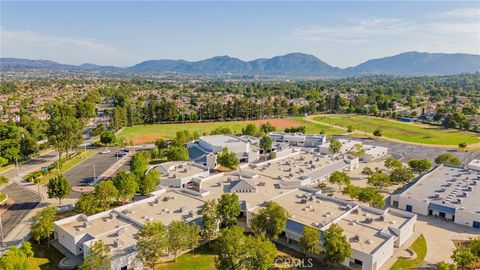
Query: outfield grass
x=407 y=132
x=420 y=248
x=149 y=133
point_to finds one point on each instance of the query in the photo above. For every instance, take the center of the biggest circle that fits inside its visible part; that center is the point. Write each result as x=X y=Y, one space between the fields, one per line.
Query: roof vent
x=117 y=243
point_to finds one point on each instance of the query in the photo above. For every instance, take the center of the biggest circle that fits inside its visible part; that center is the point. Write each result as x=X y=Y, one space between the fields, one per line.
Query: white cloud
x=453 y=31
x=69 y=50
x=15 y=37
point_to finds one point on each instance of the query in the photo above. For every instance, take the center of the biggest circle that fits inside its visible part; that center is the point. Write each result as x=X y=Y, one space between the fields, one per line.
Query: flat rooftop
x=166 y=207
x=179 y=170
x=266 y=188
x=306 y=208
x=453 y=187
x=299 y=165
x=363 y=228
x=120 y=241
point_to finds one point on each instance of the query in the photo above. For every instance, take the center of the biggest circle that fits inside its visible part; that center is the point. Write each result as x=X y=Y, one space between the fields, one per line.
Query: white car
x=106 y=151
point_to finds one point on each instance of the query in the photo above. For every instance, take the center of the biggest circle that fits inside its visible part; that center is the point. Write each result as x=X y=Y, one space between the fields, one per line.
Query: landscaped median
x=42 y=177
x=420 y=249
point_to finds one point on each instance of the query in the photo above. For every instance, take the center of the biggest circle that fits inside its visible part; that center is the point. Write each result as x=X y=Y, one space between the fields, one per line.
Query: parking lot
x=406 y=152
x=83 y=173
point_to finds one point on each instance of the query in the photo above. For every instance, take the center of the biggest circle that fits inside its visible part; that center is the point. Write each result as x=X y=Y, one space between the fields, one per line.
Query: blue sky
x=340 y=33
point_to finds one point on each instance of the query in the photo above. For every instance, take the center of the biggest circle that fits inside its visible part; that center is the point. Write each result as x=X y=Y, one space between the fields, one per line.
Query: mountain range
x=293 y=64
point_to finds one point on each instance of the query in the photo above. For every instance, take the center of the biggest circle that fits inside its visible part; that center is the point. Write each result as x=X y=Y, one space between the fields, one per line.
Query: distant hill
x=293 y=64
x=417 y=63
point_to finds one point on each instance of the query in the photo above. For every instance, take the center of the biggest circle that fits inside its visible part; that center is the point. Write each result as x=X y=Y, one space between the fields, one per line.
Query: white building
x=347 y=146
x=179 y=174
x=474 y=165
x=373 y=153
x=204 y=151
x=373 y=233
x=117 y=227
x=298 y=139
x=444 y=192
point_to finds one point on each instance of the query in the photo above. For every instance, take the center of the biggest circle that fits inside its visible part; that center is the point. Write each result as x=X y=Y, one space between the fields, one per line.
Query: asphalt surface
x=406 y=152
x=42 y=160
x=83 y=173
x=24 y=201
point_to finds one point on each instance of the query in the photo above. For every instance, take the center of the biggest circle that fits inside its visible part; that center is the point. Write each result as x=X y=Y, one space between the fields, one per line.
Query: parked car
x=106 y=151
x=120 y=154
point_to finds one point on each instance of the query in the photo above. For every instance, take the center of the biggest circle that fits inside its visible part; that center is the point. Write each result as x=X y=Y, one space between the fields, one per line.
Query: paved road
x=33 y=164
x=405 y=152
x=83 y=173
x=24 y=201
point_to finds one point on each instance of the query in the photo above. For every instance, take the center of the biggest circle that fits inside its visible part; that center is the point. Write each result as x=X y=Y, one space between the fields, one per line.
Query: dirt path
x=471 y=147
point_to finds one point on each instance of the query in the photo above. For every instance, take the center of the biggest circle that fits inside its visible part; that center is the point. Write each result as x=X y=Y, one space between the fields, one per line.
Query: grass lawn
x=408 y=132
x=68 y=164
x=420 y=248
x=6 y=168
x=202 y=260
x=45 y=258
x=2 y=196
x=149 y=133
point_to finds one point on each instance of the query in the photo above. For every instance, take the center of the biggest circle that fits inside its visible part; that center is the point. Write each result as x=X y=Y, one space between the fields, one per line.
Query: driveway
x=24 y=201
x=83 y=173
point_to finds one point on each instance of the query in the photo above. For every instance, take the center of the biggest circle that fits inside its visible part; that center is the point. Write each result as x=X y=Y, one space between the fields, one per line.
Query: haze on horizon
x=342 y=34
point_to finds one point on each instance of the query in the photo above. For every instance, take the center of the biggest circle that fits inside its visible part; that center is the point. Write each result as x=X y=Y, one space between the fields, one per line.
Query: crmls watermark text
x=290 y=262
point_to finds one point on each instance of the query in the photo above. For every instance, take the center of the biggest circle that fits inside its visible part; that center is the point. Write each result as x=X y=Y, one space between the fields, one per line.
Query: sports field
x=141 y=134
x=408 y=132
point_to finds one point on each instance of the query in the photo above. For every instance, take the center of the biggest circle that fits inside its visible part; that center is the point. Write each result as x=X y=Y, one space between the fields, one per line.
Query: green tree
x=340 y=179
x=420 y=165
x=371 y=196
x=367 y=171
x=231 y=249
x=377 y=133
x=336 y=246
x=446 y=266
x=261 y=253
x=126 y=184
x=17 y=258
x=139 y=164
x=3 y=180
x=193 y=236
x=393 y=163
x=107 y=137
x=402 y=175
x=149 y=182
x=64 y=129
x=357 y=150
x=42 y=223
x=310 y=241
x=266 y=144
x=448 y=159
x=464 y=257
x=176 y=153
x=99 y=129
x=250 y=129
x=227 y=159
x=267 y=127
x=152 y=243
x=178 y=237
x=335 y=146
x=379 y=180
x=211 y=219
x=106 y=193
x=58 y=187
x=462 y=145
x=228 y=209
x=270 y=220
x=98 y=258
x=161 y=144
x=352 y=191
x=87 y=204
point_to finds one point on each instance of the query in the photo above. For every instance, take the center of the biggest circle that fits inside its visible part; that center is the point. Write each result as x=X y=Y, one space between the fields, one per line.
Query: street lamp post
x=94 y=174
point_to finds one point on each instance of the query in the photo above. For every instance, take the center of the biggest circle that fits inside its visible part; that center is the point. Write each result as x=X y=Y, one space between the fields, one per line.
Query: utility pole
x=1 y=228
x=94 y=174
x=18 y=170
